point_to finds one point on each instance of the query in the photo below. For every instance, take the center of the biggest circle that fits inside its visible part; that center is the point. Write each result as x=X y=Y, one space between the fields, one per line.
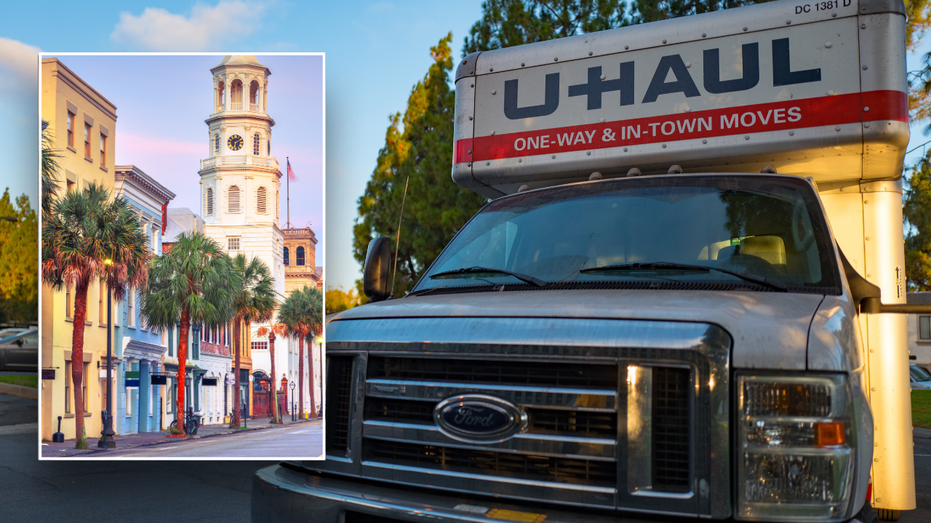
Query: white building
x=919 y=331
x=240 y=195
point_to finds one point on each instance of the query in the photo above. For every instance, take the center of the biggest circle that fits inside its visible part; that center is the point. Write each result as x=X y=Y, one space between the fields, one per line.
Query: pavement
x=145 y=439
x=921 y=433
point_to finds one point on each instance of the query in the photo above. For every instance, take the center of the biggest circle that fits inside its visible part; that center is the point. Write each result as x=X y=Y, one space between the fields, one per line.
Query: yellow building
x=300 y=246
x=82 y=124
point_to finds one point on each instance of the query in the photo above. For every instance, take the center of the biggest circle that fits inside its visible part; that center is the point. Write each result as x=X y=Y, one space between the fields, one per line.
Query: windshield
x=708 y=232
x=919 y=374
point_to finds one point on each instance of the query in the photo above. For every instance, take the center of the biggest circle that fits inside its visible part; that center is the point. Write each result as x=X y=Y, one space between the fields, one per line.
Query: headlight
x=795 y=448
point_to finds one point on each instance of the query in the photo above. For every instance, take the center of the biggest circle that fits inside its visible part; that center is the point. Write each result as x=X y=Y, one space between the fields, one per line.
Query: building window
x=209 y=201
x=233 y=244
x=103 y=150
x=268 y=146
x=261 y=200
x=924 y=328
x=87 y=140
x=255 y=144
x=70 y=129
x=216 y=143
x=286 y=260
x=300 y=256
x=130 y=308
x=259 y=345
x=68 y=383
x=234 y=199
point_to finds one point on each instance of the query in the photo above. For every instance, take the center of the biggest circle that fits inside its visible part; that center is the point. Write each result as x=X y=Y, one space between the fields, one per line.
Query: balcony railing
x=238 y=160
x=236 y=106
x=254 y=107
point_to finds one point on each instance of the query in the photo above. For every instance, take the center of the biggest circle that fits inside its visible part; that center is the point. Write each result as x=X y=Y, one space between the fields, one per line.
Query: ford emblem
x=479 y=418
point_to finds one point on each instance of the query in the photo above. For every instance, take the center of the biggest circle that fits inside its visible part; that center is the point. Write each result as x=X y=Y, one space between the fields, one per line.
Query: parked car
x=9 y=332
x=921 y=378
x=20 y=351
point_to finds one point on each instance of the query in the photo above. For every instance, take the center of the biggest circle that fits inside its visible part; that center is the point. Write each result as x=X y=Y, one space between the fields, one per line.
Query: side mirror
x=375 y=273
x=19 y=342
x=867 y=296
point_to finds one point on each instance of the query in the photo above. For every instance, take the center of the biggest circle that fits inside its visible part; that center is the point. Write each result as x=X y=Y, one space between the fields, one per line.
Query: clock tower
x=239 y=179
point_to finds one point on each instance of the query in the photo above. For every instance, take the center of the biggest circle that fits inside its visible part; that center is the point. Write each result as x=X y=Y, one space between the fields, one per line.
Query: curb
x=921 y=433
x=20 y=391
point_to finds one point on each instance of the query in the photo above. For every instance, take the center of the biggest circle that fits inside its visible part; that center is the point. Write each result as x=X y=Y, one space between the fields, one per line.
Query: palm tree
x=253 y=301
x=275 y=330
x=315 y=324
x=86 y=237
x=302 y=313
x=189 y=284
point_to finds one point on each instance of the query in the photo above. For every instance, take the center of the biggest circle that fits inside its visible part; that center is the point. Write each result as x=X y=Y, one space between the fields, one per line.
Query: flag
x=291 y=173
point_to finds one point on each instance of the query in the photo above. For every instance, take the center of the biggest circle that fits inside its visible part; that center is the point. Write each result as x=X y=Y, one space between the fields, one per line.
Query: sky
x=160 y=124
x=375 y=52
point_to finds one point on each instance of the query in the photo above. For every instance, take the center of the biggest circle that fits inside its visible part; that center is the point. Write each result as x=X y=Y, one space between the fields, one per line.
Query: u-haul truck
x=683 y=298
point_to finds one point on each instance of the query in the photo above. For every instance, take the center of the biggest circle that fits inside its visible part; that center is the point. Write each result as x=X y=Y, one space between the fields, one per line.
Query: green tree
x=253 y=301
x=917 y=214
x=507 y=23
x=190 y=284
x=338 y=300
x=85 y=237
x=19 y=283
x=302 y=313
x=417 y=156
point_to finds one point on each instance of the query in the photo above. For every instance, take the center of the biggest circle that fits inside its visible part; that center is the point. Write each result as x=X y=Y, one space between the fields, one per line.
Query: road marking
x=923 y=455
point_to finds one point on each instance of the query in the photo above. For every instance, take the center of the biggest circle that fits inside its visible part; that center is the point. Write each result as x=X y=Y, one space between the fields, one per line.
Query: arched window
x=300 y=256
x=209 y=203
x=287 y=261
x=269 y=147
x=221 y=90
x=255 y=144
x=254 y=96
x=261 y=198
x=236 y=91
x=234 y=199
x=216 y=143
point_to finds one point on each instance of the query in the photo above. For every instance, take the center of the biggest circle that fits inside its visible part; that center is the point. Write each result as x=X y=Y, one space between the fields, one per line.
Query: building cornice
x=71 y=79
x=140 y=179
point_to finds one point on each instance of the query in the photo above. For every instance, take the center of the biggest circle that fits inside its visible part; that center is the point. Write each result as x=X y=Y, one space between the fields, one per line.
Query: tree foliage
x=338 y=300
x=417 y=156
x=917 y=214
x=193 y=283
x=19 y=264
x=507 y=23
x=87 y=237
x=302 y=314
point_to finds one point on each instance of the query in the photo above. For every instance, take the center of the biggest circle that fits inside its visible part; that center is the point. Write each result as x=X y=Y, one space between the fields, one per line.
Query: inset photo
x=181 y=302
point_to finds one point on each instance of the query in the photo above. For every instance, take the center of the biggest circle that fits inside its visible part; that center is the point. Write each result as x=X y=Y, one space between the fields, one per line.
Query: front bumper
x=282 y=494
x=286 y=494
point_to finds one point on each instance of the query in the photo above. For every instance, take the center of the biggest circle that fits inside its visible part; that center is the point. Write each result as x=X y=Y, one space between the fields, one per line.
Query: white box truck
x=683 y=300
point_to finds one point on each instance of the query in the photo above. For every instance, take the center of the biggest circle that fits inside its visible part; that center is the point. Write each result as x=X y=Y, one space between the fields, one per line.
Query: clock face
x=235 y=142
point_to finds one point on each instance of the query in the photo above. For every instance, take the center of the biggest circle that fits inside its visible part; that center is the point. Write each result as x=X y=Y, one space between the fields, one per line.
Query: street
x=156 y=491
x=266 y=443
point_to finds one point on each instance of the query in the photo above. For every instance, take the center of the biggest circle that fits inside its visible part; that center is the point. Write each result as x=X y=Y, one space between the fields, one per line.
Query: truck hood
x=769 y=330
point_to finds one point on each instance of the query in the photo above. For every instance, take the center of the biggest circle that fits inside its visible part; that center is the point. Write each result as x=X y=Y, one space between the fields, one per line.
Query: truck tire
x=886 y=514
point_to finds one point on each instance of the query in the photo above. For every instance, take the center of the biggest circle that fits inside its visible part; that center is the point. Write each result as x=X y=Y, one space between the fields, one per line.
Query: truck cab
x=681 y=300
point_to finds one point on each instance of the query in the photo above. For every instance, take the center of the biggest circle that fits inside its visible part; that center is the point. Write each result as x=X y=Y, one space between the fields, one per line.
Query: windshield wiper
x=479 y=270
x=684 y=266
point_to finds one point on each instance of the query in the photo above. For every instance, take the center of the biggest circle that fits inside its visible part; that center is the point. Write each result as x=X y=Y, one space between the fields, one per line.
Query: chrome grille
x=670 y=429
x=504 y=372
x=580 y=401
x=521 y=466
x=338 y=390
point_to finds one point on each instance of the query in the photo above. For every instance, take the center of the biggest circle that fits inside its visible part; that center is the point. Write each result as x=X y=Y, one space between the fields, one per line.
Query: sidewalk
x=128 y=441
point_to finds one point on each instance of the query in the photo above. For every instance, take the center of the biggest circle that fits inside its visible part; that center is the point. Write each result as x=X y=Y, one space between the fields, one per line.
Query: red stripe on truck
x=748 y=119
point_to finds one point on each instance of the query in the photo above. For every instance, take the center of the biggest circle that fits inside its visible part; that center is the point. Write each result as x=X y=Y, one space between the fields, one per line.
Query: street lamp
x=293 y=405
x=107 y=440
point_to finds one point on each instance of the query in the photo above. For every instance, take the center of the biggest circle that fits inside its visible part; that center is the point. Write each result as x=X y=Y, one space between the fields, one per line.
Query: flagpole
x=288 y=205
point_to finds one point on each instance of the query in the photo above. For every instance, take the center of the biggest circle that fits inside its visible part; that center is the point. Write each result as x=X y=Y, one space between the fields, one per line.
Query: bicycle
x=191 y=422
